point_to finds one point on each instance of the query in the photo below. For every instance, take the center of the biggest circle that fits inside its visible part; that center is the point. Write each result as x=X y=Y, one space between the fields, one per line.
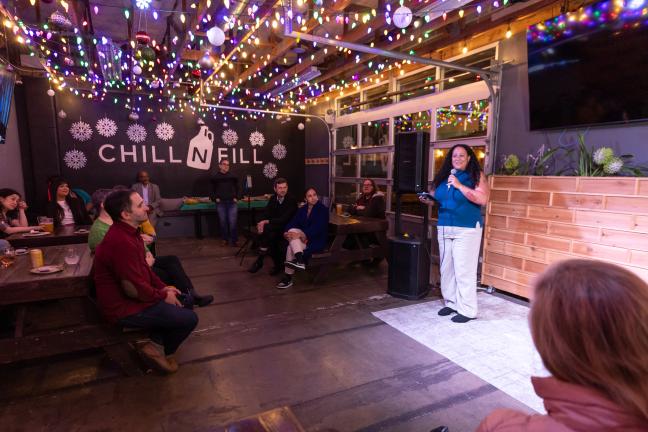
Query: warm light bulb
x=464 y=50
x=509 y=33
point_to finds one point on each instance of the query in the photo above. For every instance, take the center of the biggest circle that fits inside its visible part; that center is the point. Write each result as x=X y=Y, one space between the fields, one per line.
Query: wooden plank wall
x=532 y=222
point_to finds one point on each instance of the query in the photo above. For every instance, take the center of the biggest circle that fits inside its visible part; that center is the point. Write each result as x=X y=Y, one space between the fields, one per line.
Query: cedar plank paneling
x=535 y=221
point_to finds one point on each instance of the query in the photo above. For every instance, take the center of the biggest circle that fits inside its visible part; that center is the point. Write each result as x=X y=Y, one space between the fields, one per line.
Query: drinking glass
x=71 y=257
x=46 y=223
x=8 y=256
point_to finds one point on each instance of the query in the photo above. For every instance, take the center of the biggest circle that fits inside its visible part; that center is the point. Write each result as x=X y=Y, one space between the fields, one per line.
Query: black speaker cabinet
x=410 y=165
x=409 y=269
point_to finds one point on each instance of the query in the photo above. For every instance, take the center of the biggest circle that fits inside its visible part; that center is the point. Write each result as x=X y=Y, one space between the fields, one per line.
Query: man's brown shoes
x=154 y=355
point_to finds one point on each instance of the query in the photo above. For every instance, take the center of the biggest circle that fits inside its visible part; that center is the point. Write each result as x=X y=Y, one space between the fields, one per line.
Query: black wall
x=117 y=159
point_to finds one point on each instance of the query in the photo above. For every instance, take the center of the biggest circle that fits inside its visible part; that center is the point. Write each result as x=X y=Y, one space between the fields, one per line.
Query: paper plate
x=48 y=269
x=36 y=234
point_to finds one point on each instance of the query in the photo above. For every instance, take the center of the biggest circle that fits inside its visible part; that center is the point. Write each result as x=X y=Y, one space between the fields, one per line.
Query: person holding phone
x=460 y=188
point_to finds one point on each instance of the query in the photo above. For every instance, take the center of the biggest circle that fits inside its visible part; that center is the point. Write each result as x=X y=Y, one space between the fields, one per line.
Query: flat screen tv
x=589 y=67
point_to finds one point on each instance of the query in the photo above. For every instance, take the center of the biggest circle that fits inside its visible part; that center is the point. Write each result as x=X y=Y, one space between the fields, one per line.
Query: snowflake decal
x=279 y=151
x=230 y=137
x=75 y=159
x=348 y=142
x=257 y=139
x=81 y=131
x=136 y=133
x=106 y=127
x=270 y=170
x=367 y=141
x=164 y=131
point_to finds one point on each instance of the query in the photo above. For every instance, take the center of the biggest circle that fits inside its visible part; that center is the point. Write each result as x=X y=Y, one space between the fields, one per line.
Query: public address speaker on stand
x=409 y=260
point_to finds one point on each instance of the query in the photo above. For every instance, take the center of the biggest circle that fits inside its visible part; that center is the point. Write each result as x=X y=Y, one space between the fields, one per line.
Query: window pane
x=419 y=121
x=481 y=60
x=410 y=204
x=345 y=165
x=419 y=84
x=440 y=154
x=344 y=104
x=345 y=193
x=461 y=121
x=346 y=137
x=374 y=165
x=375 y=133
x=375 y=97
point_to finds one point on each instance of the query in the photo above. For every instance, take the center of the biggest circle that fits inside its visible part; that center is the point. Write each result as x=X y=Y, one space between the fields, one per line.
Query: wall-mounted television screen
x=589 y=67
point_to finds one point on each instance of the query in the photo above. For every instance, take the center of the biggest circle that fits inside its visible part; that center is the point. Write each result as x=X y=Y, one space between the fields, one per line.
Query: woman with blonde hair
x=589 y=322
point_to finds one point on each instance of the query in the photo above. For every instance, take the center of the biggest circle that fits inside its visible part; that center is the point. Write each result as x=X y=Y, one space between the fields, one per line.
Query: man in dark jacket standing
x=225 y=187
x=280 y=210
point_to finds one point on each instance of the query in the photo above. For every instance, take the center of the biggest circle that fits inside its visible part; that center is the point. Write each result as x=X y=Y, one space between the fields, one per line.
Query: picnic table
x=342 y=228
x=201 y=208
x=20 y=289
x=63 y=235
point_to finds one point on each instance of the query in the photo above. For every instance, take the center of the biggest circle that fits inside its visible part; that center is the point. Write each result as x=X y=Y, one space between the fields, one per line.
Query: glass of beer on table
x=46 y=223
x=7 y=257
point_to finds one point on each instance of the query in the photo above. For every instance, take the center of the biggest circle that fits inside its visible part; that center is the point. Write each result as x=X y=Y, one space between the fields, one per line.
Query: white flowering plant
x=602 y=162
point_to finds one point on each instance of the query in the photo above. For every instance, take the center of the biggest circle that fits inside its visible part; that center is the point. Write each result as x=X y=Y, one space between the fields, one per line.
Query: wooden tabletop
x=18 y=285
x=62 y=235
x=356 y=224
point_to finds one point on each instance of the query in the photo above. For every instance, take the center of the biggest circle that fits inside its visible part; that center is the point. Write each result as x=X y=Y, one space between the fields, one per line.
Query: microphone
x=453 y=171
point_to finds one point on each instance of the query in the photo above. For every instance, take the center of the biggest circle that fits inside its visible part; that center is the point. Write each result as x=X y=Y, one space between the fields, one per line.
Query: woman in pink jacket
x=589 y=322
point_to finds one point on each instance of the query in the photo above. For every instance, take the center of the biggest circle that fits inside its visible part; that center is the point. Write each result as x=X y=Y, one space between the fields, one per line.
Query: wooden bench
x=21 y=290
x=341 y=229
x=115 y=342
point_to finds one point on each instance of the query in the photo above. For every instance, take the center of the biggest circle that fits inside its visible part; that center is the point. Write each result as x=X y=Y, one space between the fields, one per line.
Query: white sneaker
x=295 y=265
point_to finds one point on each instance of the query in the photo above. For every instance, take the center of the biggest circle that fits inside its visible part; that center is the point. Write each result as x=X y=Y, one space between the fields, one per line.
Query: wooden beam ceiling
x=264 y=12
x=287 y=44
x=195 y=18
x=358 y=35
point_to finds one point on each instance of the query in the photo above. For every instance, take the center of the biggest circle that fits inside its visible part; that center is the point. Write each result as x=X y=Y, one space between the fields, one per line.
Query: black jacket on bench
x=279 y=214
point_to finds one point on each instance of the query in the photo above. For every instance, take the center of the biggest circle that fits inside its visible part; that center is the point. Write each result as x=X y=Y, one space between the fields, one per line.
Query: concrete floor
x=317 y=349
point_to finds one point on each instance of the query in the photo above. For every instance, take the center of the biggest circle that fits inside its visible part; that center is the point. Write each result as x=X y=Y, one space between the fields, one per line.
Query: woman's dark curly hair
x=473 y=169
x=4 y=193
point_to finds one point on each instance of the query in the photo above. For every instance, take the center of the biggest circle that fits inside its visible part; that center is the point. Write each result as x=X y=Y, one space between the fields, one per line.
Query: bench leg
x=320 y=273
x=122 y=354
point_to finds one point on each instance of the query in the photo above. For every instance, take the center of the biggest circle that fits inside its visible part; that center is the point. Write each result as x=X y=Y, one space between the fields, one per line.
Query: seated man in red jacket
x=129 y=293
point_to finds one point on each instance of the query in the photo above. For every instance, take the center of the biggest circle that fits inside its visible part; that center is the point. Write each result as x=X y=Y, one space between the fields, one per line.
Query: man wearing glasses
x=225 y=187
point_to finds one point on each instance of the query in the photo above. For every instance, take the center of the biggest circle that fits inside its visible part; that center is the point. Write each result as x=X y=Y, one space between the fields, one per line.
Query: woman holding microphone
x=460 y=187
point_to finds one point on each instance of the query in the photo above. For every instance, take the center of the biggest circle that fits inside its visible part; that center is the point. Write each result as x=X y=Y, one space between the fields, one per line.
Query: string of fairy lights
x=67 y=53
x=94 y=66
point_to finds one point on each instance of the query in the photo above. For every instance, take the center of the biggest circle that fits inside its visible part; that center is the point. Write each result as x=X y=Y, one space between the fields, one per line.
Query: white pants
x=459 y=255
x=294 y=246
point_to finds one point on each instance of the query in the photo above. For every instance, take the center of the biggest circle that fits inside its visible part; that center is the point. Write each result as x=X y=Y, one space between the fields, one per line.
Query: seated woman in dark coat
x=307 y=234
x=371 y=203
x=64 y=207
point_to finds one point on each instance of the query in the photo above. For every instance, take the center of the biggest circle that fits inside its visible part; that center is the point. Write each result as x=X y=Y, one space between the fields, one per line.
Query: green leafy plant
x=539 y=163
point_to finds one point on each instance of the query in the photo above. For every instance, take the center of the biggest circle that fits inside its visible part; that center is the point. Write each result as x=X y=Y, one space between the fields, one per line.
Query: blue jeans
x=227 y=213
x=169 y=325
